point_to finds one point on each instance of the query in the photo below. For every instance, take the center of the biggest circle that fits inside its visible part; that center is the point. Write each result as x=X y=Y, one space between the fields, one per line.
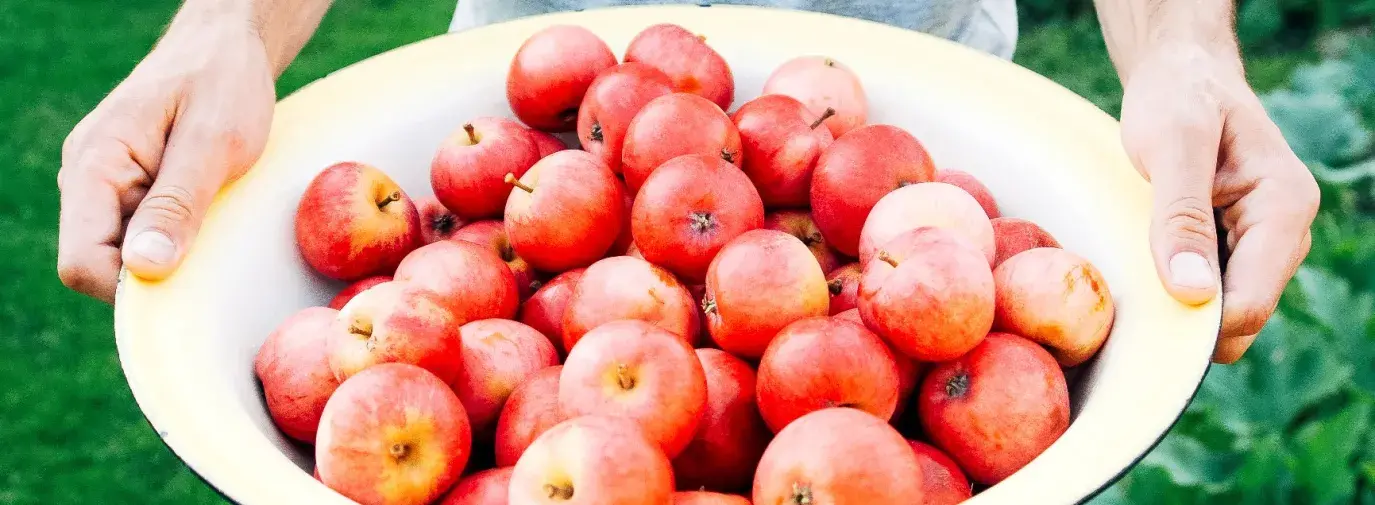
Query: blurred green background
x=1290 y=424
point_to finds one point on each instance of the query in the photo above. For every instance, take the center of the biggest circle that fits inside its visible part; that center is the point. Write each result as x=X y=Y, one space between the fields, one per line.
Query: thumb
x=167 y=220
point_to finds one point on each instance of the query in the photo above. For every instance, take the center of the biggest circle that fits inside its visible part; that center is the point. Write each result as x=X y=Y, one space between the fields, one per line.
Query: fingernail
x=1191 y=270
x=153 y=246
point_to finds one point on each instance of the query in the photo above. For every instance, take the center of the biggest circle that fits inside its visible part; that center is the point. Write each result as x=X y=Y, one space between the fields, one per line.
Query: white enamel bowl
x=187 y=343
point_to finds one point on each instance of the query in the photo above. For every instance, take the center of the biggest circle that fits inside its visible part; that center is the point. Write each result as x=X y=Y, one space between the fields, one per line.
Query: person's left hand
x=1194 y=128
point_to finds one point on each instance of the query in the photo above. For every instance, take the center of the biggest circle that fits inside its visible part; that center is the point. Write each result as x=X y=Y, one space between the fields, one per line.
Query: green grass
x=70 y=430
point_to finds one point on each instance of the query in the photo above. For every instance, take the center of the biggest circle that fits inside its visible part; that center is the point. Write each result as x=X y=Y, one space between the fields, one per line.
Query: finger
x=1273 y=242
x=1230 y=349
x=89 y=228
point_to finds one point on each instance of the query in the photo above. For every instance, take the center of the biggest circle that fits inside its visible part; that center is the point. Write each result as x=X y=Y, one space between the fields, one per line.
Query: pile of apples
x=779 y=305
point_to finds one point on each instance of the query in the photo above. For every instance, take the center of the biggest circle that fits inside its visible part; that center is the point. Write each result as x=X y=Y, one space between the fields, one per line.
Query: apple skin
x=850 y=315
x=1014 y=235
x=943 y=483
x=707 y=498
x=671 y=126
x=352 y=290
x=393 y=434
x=685 y=58
x=975 y=188
x=859 y=169
x=531 y=410
x=731 y=438
x=843 y=284
x=550 y=73
x=822 y=362
x=545 y=144
x=929 y=293
x=354 y=221
x=437 y=222
x=838 y=455
x=932 y=204
x=638 y=371
x=996 y=408
x=622 y=287
x=1055 y=298
x=612 y=101
x=592 y=460
x=569 y=216
x=626 y=239
x=820 y=83
x=396 y=322
x=498 y=355
x=544 y=310
x=471 y=279
x=492 y=235
x=488 y=487
x=780 y=148
x=798 y=223
x=688 y=209
x=759 y=283
x=293 y=367
x=469 y=169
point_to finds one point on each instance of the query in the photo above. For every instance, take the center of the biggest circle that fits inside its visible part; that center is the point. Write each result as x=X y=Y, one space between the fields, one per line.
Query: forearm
x=283 y=26
x=1134 y=29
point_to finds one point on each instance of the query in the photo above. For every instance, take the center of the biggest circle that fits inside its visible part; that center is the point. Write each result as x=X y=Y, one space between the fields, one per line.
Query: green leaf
x=1263 y=477
x=1343 y=314
x=1189 y=464
x=1320 y=127
x=1259 y=20
x=1324 y=450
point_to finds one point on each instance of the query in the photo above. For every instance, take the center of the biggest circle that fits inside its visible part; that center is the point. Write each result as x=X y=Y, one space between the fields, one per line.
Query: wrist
x=1142 y=33
x=278 y=27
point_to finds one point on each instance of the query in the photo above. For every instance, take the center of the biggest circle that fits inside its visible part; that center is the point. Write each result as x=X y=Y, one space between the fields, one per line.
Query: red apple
x=732 y=436
x=971 y=185
x=352 y=290
x=860 y=168
x=550 y=74
x=469 y=169
x=671 y=126
x=929 y=293
x=699 y=291
x=396 y=322
x=707 y=498
x=393 y=434
x=622 y=287
x=1014 y=235
x=688 y=209
x=843 y=283
x=933 y=204
x=471 y=279
x=626 y=239
x=531 y=410
x=943 y=483
x=686 y=58
x=633 y=251
x=546 y=144
x=1055 y=298
x=488 y=487
x=293 y=366
x=850 y=315
x=798 y=223
x=565 y=212
x=782 y=141
x=498 y=355
x=354 y=221
x=909 y=376
x=592 y=460
x=437 y=222
x=492 y=235
x=838 y=455
x=821 y=362
x=822 y=83
x=611 y=102
x=636 y=370
x=759 y=283
x=996 y=408
x=544 y=310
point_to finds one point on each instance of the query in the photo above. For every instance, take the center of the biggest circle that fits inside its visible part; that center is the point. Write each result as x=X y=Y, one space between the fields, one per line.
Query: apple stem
x=394 y=196
x=708 y=305
x=561 y=492
x=830 y=111
x=623 y=377
x=835 y=286
x=512 y=180
x=884 y=257
x=801 y=495
x=472 y=135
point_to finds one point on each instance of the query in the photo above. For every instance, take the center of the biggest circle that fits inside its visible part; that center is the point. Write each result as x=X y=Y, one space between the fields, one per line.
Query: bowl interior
x=187 y=344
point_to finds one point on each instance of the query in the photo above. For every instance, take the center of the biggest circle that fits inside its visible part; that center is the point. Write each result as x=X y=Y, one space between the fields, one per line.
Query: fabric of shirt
x=987 y=25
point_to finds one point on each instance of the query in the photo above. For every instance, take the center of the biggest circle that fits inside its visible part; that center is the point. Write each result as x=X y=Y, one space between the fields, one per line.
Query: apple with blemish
x=622 y=287
x=781 y=141
x=437 y=222
x=354 y=221
x=759 y=283
x=293 y=367
x=838 y=455
x=942 y=481
x=492 y=235
x=843 y=284
x=798 y=223
x=821 y=362
x=934 y=204
x=470 y=279
x=344 y=295
x=550 y=74
x=544 y=310
x=498 y=355
x=488 y=487
x=687 y=59
x=396 y=322
x=592 y=460
x=688 y=209
x=393 y=434
x=822 y=83
x=858 y=169
x=469 y=168
x=1057 y=299
x=1013 y=235
x=611 y=103
x=531 y=410
x=975 y=188
x=674 y=125
x=564 y=213
x=727 y=445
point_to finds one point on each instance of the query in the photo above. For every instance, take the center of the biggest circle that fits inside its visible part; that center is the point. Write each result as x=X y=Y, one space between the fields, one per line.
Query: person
x=140 y=170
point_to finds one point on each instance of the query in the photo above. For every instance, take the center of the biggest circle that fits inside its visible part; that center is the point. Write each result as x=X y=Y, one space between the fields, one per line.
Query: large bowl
x=187 y=343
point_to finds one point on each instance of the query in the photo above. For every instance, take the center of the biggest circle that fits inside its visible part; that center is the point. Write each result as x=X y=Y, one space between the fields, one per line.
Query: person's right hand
x=139 y=171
